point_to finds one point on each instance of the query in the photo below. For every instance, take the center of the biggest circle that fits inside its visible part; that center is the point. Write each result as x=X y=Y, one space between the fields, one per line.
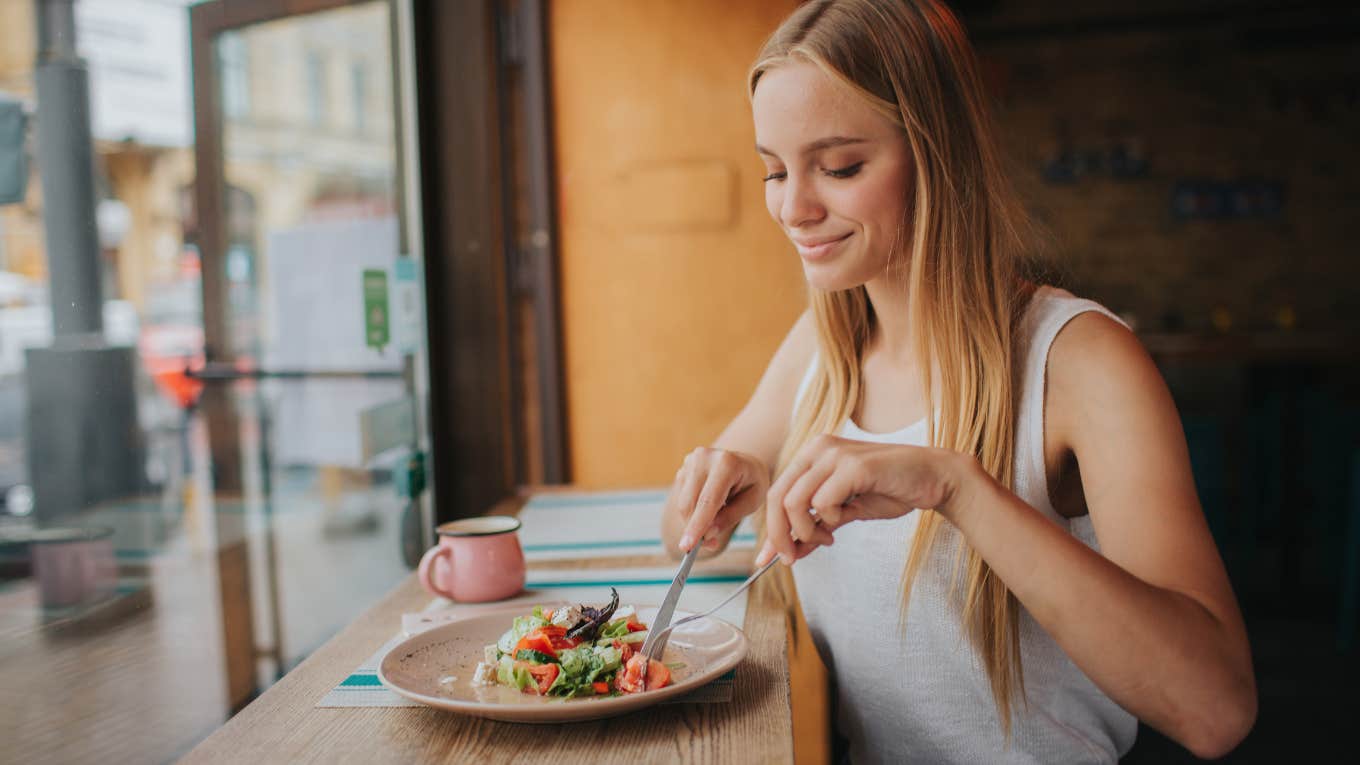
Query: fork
x=659 y=644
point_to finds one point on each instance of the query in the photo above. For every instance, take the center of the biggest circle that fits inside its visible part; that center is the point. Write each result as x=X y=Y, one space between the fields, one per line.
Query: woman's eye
x=775 y=177
x=845 y=172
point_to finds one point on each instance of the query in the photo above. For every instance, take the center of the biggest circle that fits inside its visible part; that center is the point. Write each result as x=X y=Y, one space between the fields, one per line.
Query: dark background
x=1194 y=165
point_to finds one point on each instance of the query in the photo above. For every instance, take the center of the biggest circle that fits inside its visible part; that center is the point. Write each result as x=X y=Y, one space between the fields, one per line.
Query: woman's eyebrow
x=818 y=145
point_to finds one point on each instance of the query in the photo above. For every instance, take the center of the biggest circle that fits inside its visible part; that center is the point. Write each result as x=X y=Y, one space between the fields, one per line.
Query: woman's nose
x=800 y=205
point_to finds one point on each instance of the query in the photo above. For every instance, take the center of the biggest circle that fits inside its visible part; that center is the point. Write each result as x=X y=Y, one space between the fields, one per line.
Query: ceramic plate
x=436 y=667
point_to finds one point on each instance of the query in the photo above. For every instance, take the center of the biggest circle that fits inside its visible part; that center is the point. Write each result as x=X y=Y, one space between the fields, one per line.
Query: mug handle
x=426 y=569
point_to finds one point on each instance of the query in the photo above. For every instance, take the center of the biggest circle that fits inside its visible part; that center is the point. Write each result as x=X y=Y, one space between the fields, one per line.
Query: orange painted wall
x=676 y=285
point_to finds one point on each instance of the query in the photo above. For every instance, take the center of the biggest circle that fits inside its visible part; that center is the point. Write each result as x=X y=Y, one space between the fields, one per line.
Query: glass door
x=312 y=321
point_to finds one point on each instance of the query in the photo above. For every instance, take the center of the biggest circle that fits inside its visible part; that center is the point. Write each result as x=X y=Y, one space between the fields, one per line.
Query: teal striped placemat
x=600 y=524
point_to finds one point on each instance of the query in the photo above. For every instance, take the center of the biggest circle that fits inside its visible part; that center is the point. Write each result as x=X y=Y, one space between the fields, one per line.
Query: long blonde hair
x=910 y=60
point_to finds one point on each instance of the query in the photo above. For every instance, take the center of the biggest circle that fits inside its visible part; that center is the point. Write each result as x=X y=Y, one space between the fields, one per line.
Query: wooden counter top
x=284 y=724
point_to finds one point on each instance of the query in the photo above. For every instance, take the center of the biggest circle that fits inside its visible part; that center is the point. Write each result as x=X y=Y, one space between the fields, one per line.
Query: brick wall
x=1221 y=103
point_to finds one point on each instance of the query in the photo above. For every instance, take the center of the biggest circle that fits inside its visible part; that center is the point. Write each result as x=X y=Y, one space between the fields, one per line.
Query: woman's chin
x=828 y=278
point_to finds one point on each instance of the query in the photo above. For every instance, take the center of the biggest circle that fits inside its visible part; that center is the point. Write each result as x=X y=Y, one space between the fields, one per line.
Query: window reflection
x=164 y=590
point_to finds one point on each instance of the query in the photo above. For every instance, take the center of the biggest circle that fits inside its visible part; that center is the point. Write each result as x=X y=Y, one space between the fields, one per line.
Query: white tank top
x=922 y=696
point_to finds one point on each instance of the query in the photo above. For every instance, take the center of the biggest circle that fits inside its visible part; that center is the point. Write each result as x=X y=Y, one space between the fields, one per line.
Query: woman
x=1063 y=583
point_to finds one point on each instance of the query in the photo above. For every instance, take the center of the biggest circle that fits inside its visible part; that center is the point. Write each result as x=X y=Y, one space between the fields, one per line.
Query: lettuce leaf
x=615 y=629
x=582 y=666
x=522 y=626
x=509 y=672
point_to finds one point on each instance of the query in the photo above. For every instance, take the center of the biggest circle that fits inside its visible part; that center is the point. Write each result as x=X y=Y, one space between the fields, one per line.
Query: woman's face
x=838 y=174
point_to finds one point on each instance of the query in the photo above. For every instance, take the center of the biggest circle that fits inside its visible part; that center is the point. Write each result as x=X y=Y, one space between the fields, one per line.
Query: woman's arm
x=1151 y=619
x=721 y=484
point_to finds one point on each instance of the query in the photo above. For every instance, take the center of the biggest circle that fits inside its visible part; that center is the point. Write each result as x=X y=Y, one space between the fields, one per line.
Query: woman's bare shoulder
x=1094 y=345
x=1100 y=375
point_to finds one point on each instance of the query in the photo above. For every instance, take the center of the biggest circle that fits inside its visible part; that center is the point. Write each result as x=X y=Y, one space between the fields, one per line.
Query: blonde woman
x=1062 y=583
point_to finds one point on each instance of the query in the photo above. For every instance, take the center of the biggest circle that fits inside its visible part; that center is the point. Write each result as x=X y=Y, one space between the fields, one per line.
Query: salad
x=573 y=651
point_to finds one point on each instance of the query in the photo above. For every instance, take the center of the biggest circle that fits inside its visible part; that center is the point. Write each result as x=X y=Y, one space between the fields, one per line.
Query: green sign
x=377 y=324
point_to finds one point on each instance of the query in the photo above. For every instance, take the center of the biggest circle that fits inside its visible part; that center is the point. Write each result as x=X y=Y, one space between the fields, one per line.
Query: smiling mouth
x=821 y=249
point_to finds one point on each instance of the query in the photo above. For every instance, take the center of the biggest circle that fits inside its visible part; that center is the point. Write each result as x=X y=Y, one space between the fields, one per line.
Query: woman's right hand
x=713 y=490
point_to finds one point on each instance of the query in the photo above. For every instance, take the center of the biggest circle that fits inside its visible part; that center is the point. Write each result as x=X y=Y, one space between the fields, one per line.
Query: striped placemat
x=706 y=587
x=600 y=524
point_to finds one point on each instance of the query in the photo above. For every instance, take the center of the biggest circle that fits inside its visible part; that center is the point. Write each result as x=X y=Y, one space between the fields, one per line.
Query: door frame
x=532 y=243
x=459 y=134
x=490 y=237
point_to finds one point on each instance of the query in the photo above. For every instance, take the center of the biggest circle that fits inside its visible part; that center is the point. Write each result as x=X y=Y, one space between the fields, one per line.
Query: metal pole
x=83 y=440
x=66 y=162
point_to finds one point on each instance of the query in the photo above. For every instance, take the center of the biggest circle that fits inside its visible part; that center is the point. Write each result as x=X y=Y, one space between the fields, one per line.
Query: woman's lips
x=815 y=249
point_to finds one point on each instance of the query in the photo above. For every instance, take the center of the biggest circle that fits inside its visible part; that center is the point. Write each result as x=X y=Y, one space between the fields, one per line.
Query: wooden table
x=284 y=724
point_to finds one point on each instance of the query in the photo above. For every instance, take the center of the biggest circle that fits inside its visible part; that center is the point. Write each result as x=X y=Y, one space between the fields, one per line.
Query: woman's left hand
x=832 y=481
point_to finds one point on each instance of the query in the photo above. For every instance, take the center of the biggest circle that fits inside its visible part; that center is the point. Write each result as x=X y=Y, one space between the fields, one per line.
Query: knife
x=663 y=614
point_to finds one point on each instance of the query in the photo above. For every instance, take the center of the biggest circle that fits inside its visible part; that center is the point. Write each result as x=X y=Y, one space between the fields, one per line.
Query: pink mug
x=476 y=560
x=73 y=566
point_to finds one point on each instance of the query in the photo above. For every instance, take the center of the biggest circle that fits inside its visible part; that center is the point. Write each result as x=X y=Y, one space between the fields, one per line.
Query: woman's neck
x=893 y=335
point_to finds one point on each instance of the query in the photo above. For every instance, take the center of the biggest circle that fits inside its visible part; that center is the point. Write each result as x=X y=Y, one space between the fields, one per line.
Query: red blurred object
x=169 y=351
x=179 y=386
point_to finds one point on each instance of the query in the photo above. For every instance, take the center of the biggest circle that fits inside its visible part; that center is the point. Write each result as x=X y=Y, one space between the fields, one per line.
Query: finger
x=723 y=523
x=718 y=486
x=803 y=549
x=729 y=517
x=821 y=534
x=671 y=505
x=834 y=493
x=827 y=516
x=777 y=530
x=766 y=553
x=796 y=467
x=833 y=517
x=687 y=497
x=746 y=501
x=774 y=498
x=739 y=505
x=818 y=537
x=803 y=461
x=824 y=536
x=798 y=500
